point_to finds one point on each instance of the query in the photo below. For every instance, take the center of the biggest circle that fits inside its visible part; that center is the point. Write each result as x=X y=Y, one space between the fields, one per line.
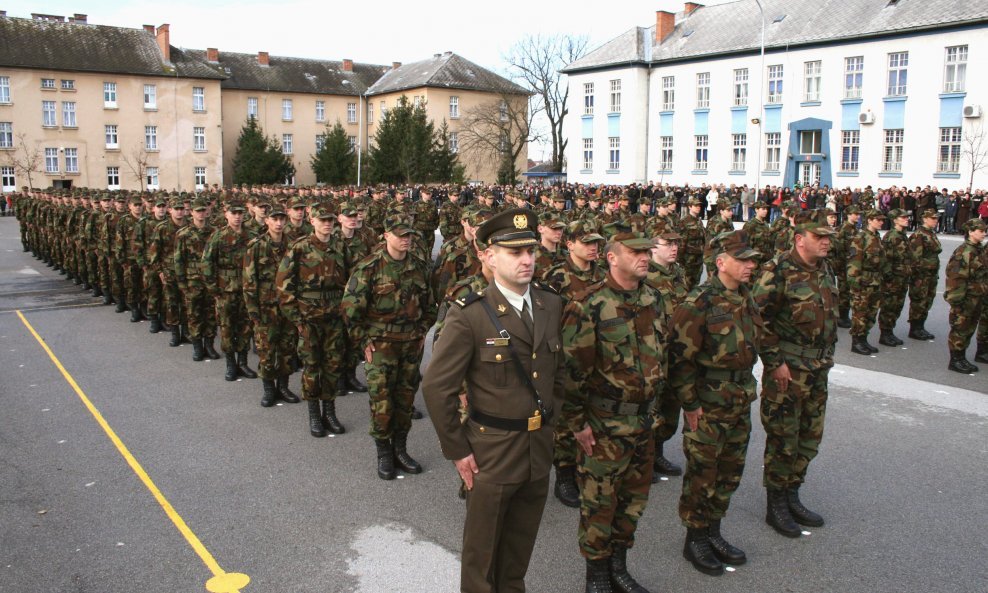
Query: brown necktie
x=526 y=318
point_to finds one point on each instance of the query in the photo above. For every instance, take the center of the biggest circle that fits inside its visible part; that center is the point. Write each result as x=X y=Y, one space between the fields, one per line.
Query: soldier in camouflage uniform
x=133 y=274
x=458 y=258
x=780 y=228
x=449 y=217
x=549 y=251
x=388 y=308
x=161 y=254
x=614 y=340
x=865 y=272
x=152 y=287
x=103 y=247
x=310 y=284
x=356 y=246
x=255 y=225
x=715 y=339
x=376 y=210
x=759 y=232
x=425 y=221
x=840 y=246
x=723 y=222
x=898 y=269
x=694 y=240
x=297 y=226
x=967 y=291
x=924 y=247
x=796 y=295
x=115 y=262
x=197 y=297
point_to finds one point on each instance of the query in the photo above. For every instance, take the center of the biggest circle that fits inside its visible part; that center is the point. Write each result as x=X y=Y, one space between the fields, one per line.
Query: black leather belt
x=727 y=375
x=622 y=408
x=518 y=425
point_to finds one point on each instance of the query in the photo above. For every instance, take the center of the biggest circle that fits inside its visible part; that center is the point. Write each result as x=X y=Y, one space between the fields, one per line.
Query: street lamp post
x=761 y=105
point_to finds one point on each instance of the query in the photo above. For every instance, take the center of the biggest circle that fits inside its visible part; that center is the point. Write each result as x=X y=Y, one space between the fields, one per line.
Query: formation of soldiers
x=322 y=281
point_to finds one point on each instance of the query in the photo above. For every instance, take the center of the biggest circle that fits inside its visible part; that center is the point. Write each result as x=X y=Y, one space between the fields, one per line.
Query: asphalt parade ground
x=126 y=467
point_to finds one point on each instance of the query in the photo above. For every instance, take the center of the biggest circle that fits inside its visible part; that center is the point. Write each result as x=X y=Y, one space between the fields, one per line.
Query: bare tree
x=24 y=159
x=137 y=161
x=500 y=131
x=535 y=62
x=974 y=150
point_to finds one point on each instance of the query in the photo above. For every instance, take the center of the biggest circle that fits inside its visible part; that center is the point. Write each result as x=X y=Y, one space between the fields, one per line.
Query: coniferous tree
x=335 y=163
x=259 y=159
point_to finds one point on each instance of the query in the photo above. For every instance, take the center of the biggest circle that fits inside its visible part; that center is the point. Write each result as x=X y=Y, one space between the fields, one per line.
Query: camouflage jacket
x=355 y=248
x=223 y=259
x=545 y=259
x=458 y=262
x=459 y=290
x=785 y=240
x=924 y=249
x=670 y=283
x=760 y=238
x=449 y=220
x=124 y=238
x=311 y=279
x=294 y=233
x=260 y=272
x=777 y=228
x=388 y=299
x=898 y=257
x=967 y=275
x=107 y=230
x=376 y=212
x=426 y=218
x=254 y=228
x=866 y=260
x=571 y=282
x=694 y=235
x=161 y=251
x=141 y=243
x=187 y=265
x=638 y=222
x=799 y=307
x=715 y=330
x=841 y=245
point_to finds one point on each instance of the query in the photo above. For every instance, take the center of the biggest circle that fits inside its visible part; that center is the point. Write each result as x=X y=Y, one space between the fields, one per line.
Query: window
x=110 y=95
x=954 y=70
x=151 y=137
x=320 y=142
x=68 y=114
x=892 y=151
x=68 y=85
x=588 y=98
x=198 y=98
x=454 y=107
x=740 y=153
x=320 y=111
x=668 y=93
x=150 y=96
x=6 y=134
x=48 y=114
x=454 y=142
x=351 y=113
x=850 y=145
x=588 y=153
x=898 y=67
x=4 y=89
x=352 y=141
x=200 y=177
x=252 y=107
x=286 y=144
x=198 y=139
x=775 y=74
x=811 y=81
x=113 y=177
x=47 y=83
x=370 y=113
x=700 y=163
x=416 y=101
x=811 y=142
x=286 y=110
x=741 y=87
x=152 y=177
x=853 y=76
x=665 y=155
x=615 y=96
x=51 y=160
x=7 y=180
x=614 y=161
x=384 y=110
x=703 y=90
x=71 y=160
x=503 y=109
x=773 y=150
x=111 y=136
x=949 y=160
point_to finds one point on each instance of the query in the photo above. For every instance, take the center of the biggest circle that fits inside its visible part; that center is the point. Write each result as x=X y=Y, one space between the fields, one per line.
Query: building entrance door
x=809 y=174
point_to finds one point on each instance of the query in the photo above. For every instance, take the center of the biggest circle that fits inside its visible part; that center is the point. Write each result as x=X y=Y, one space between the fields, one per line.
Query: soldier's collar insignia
x=538 y=303
x=521 y=221
x=501 y=308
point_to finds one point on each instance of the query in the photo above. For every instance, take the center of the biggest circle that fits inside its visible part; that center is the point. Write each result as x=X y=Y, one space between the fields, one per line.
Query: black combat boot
x=155 y=324
x=121 y=305
x=724 y=551
x=566 y=490
x=778 y=515
x=416 y=415
x=207 y=343
x=982 y=353
x=270 y=393
x=87 y=286
x=918 y=332
x=197 y=352
x=107 y=298
x=316 y=427
x=860 y=346
x=402 y=459
x=800 y=513
x=329 y=418
x=664 y=466
x=135 y=314
x=242 y=368
x=176 y=337
x=231 y=366
x=698 y=550
x=352 y=383
x=76 y=280
x=621 y=579
x=959 y=363
x=341 y=390
x=888 y=338
x=284 y=392
x=598 y=576
x=385 y=459
x=97 y=291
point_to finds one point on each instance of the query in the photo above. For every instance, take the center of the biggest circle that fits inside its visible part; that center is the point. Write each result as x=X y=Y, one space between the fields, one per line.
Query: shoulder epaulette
x=471 y=298
x=544 y=286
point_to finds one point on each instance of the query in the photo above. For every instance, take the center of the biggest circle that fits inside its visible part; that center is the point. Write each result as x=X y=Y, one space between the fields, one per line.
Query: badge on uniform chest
x=497 y=341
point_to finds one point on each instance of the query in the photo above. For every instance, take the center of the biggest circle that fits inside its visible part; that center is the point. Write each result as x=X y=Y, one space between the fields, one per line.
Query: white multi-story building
x=849 y=93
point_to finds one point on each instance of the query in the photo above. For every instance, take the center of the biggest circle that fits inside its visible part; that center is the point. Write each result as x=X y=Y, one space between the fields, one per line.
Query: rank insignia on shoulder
x=501 y=308
x=473 y=297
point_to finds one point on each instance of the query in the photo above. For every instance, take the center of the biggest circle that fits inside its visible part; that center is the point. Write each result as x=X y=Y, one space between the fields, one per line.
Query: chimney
x=212 y=55
x=80 y=19
x=149 y=29
x=665 y=22
x=164 y=42
x=347 y=65
x=395 y=65
x=263 y=58
x=690 y=7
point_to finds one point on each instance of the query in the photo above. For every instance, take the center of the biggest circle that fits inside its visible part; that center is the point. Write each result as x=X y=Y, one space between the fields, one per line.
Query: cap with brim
x=930 y=213
x=348 y=208
x=399 y=225
x=200 y=204
x=558 y=198
x=871 y=214
x=235 y=206
x=296 y=202
x=760 y=205
x=278 y=209
x=669 y=236
x=807 y=223
x=633 y=240
x=584 y=232
x=723 y=204
x=176 y=203
x=511 y=228
x=479 y=215
x=897 y=213
x=735 y=244
x=852 y=210
x=552 y=221
x=322 y=212
x=975 y=224
x=694 y=202
x=120 y=198
x=136 y=200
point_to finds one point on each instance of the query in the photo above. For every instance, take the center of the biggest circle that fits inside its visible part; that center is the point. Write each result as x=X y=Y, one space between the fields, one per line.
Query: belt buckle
x=535 y=422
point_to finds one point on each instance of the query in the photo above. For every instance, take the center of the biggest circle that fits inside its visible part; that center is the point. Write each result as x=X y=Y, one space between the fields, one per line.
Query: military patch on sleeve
x=352 y=284
x=471 y=298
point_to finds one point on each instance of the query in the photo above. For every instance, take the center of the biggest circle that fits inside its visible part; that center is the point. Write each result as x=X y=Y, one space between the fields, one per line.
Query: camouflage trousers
x=922 y=291
x=614 y=483
x=133 y=283
x=103 y=269
x=82 y=262
x=715 y=455
x=116 y=279
x=893 y=299
x=563 y=446
x=231 y=314
x=865 y=301
x=668 y=415
x=199 y=311
x=393 y=377
x=843 y=289
x=320 y=349
x=964 y=320
x=275 y=339
x=793 y=422
x=173 y=303
x=153 y=292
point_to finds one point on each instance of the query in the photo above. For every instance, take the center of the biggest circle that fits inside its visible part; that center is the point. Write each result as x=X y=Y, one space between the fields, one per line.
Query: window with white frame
x=811 y=142
x=150 y=96
x=416 y=101
x=850 y=147
x=112 y=141
x=200 y=177
x=775 y=75
x=949 y=160
x=383 y=110
x=740 y=87
x=68 y=114
x=113 y=177
x=48 y=117
x=811 y=81
x=198 y=98
x=48 y=83
x=199 y=138
x=351 y=113
x=614 y=153
x=287 y=108
x=252 y=107
x=773 y=150
x=151 y=173
x=892 y=151
x=588 y=153
x=700 y=161
x=370 y=113
x=110 y=95
x=4 y=89
x=151 y=137
x=898 y=70
x=8 y=182
x=503 y=107
x=668 y=93
x=615 y=96
x=320 y=111
x=71 y=160
x=286 y=144
x=320 y=142
x=454 y=107
x=853 y=77
x=68 y=84
x=352 y=142
x=588 y=98
x=454 y=142
x=665 y=154
x=6 y=134
x=955 y=69
x=51 y=160
x=703 y=90
x=739 y=154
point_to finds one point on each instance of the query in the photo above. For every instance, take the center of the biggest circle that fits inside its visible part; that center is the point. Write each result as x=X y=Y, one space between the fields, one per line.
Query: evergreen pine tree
x=259 y=160
x=335 y=163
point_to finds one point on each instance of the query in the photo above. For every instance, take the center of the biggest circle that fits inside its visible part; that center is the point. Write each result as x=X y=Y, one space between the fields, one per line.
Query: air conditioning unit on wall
x=972 y=111
x=866 y=118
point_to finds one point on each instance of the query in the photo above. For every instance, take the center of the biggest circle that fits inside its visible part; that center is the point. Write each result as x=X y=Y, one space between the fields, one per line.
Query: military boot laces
x=859 y=346
x=402 y=458
x=959 y=363
x=917 y=331
x=778 y=515
x=663 y=466
x=329 y=419
x=888 y=339
x=284 y=392
x=800 y=513
x=316 y=427
x=598 y=576
x=385 y=459
x=565 y=489
x=270 y=393
x=698 y=551
x=724 y=551
x=621 y=579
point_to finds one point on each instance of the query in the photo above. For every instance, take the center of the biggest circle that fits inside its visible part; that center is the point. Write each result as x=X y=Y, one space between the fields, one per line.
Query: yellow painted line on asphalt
x=222 y=581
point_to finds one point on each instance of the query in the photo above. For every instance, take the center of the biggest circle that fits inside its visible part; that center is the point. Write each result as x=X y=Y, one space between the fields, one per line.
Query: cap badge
x=521 y=221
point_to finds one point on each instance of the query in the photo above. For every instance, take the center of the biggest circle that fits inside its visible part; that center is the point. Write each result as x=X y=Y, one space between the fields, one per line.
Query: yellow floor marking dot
x=228 y=582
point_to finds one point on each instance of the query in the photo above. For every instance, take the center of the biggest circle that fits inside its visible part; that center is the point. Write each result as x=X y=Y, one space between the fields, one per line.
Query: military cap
x=581 y=197
x=552 y=220
x=975 y=224
x=694 y=201
x=613 y=199
x=176 y=202
x=322 y=211
x=278 y=208
x=136 y=199
x=759 y=205
x=734 y=243
x=296 y=202
x=852 y=209
x=348 y=208
x=668 y=234
x=511 y=228
x=583 y=231
x=723 y=204
x=200 y=204
x=479 y=215
x=120 y=198
x=234 y=206
x=425 y=190
x=870 y=214
x=789 y=206
x=897 y=213
x=262 y=202
x=397 y=224
x=930 y=213
x=631 y=239
x=829 y=212
x=806 y=222
x=558 y=198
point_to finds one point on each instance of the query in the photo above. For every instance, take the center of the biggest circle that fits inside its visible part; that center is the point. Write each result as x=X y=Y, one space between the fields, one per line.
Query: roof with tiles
x=446 y=70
